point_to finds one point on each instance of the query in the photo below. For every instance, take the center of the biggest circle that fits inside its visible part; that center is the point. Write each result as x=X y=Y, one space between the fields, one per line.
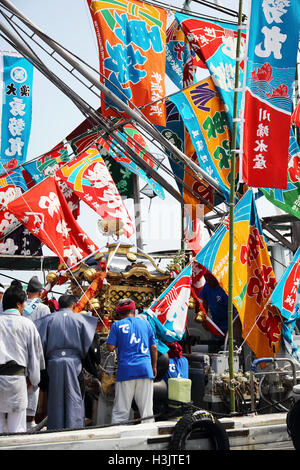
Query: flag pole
x=231 y=214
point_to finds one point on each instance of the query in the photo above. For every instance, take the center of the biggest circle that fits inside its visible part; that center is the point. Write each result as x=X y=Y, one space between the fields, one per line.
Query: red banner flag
x=270 y=74
x=296 y=115
x=44 y=211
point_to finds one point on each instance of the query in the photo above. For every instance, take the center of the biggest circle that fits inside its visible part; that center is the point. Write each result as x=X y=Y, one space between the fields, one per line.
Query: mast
x=231 y=214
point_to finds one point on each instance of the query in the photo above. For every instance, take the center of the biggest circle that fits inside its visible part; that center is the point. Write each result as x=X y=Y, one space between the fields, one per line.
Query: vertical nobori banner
x=272 y=54
x=254 y=278
x=132 y=48
x=16 y=109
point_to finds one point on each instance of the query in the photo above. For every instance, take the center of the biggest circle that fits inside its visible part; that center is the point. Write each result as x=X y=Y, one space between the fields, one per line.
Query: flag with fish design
x=270 y=75
x=132 y=48
x=44 y=211
x=171 y=307
x=284 y=298
x=84 y=136
x=88 y=177
x=253 y=276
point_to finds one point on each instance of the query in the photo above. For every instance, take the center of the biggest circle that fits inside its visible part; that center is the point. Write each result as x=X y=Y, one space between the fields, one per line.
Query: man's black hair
x=12 y=296
x=66 y=301
x=34 y=285
x=16 y=283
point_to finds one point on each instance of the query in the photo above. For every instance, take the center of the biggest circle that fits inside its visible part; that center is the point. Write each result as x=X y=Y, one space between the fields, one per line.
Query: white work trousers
x=33 y=399
x=16 y=422
x=141 y=390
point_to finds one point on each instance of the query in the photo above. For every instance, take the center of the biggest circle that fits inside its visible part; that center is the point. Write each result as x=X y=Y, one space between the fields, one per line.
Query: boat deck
x=252 y=432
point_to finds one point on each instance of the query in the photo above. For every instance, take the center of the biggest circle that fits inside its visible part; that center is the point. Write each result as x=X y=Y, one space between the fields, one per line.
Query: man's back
x=66 y=338
x=19 y=339
x=35 y=309
x=68 y=330
x=133 y=337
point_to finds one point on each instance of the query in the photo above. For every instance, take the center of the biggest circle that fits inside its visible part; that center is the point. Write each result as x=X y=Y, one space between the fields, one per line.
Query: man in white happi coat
x=21 y=360
x=34 y=309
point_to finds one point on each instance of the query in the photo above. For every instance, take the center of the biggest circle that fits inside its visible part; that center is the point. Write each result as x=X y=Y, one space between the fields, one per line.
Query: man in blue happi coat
x=66 y=337
x=134 y=340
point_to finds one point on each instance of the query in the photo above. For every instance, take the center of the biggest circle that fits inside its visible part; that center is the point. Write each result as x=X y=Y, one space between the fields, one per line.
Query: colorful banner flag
x=47 y=164
x=132 y=47
x=90 y=180
x=170 y=309
x=270 y=75
x=215 y=43
x=44 y=211
x=202 y=197
x=288 y=199
x=21 y=242
x=185 y=178
x=178 y=56
x=253 y=277
x=16 y=107
x=83 y=137
x=284 y=298
x=136 y=141
x=204 y=116
x=12 y=185
x=296 y=115
x=122 y=177
x=174 y=132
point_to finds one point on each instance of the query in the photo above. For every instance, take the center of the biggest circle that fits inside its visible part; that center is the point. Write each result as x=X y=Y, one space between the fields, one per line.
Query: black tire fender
x=201 y=421
x=293 y=424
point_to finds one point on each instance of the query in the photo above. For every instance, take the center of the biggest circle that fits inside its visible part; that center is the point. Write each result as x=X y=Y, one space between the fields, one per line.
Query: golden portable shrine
x=107 y=277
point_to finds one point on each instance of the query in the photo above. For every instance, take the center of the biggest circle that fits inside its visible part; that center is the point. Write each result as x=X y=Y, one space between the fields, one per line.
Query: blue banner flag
x=16 y=109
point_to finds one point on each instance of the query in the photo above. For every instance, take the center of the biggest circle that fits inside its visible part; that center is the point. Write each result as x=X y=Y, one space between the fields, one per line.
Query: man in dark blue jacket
x=66 y=337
